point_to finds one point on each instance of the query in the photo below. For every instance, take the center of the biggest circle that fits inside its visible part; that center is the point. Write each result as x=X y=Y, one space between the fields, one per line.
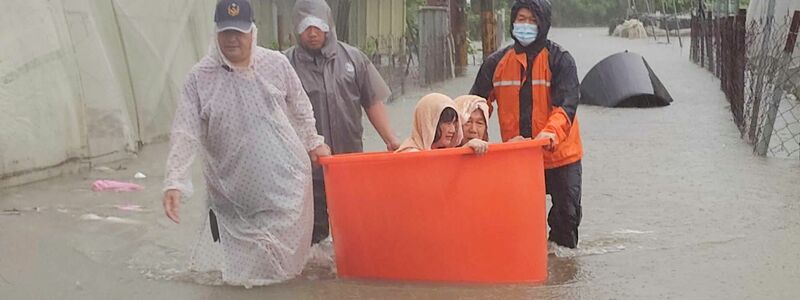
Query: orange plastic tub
x=443 y=215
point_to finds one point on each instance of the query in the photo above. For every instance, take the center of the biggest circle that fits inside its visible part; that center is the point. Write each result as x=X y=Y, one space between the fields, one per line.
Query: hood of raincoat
x=339 y=81
x=319 y=9
x=542 y=10
x=426 y=120
x=467 y=104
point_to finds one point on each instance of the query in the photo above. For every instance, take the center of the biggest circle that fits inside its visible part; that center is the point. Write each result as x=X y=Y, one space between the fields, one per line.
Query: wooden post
x=702 y=34
x=666 y=24
x=489 y=24
x=677 y=22
x=458 y=23
x=649 y=18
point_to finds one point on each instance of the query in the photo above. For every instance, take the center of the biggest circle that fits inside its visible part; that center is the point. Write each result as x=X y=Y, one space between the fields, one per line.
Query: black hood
x=542 y=10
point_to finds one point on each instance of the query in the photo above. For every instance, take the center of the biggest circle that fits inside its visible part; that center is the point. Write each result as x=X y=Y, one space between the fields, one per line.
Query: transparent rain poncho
x=254 y=126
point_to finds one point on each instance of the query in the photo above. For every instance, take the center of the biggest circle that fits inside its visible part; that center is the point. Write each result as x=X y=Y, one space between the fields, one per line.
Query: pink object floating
x=115 y=186
x=129 y=207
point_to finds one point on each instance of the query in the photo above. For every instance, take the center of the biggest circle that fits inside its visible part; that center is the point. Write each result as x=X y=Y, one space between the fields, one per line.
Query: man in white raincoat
x=340 y=80
x=243 y=107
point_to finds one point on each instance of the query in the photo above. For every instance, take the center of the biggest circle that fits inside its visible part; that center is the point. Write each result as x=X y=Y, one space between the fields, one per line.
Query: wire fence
x=759 y=73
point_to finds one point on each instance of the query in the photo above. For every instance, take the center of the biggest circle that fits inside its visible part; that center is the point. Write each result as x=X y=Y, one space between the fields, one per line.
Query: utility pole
x=458 y=23
x=489 y=27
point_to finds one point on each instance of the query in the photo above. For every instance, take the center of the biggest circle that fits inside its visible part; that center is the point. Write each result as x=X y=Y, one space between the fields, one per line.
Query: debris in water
x=115 y=186
x=104 y=169
x=17 y=212
x=10 y=212
x=139 y=175
x=129 y=207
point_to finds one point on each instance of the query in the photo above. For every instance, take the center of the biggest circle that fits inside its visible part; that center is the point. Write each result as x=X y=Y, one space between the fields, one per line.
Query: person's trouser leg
x=321 y=227
x=564 y=186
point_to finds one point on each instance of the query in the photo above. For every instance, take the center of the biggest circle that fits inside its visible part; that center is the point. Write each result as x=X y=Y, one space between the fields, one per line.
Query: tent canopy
x=623 y=80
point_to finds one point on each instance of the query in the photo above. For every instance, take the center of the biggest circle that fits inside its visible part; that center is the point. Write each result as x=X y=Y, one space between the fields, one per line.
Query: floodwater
x=675 y=206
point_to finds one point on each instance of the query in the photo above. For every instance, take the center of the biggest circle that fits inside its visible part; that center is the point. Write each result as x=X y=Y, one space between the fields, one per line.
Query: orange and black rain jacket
x=535 y=89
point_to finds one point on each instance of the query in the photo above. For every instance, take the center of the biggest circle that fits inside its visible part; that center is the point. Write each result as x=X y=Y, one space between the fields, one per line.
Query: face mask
x=525 y=33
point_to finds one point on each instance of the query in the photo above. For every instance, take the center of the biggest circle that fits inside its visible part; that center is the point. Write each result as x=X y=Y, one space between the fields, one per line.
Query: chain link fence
x=759 y=72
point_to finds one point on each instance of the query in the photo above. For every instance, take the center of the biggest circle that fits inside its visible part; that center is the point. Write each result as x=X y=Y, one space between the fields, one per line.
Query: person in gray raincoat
x=340 y=80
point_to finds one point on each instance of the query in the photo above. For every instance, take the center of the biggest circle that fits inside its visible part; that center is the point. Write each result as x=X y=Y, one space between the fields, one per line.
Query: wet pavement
x=675 y=206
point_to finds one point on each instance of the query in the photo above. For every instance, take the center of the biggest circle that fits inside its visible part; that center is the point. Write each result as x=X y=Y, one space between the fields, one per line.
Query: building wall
x=378 y=25
x=374 y=25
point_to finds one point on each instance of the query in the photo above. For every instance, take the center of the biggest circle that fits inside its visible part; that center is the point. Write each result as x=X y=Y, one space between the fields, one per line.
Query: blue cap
x=234 y=14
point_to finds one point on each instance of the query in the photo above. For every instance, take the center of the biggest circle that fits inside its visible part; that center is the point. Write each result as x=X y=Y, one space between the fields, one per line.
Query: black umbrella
x=623 y=80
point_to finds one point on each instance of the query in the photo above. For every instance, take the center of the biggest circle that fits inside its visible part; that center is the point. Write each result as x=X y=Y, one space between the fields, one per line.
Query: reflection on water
x=562 y=271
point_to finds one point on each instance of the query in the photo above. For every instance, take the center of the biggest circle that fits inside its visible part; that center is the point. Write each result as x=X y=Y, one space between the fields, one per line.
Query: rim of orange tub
x=380 y=156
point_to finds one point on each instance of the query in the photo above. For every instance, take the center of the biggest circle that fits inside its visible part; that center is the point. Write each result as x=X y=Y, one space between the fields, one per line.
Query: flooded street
x=675 y=205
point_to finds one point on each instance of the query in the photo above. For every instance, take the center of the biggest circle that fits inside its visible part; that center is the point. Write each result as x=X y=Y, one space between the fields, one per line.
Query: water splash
x=321 y=262
x=587 y=247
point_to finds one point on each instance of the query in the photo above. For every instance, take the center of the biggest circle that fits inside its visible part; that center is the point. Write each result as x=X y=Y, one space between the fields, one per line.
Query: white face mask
x=525 y=33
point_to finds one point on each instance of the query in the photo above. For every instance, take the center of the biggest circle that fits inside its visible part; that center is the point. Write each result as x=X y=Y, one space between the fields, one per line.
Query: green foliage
x=472 y=51
x=412 y=32
x=412 y=11
x=371 y=48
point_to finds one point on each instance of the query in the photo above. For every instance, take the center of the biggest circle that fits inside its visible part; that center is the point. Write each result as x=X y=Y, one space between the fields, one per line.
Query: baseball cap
x=310 y=21
x=234 y=14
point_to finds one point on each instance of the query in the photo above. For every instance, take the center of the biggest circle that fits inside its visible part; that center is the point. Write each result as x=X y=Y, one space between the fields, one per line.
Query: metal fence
x=718 y=44
x=759 y=74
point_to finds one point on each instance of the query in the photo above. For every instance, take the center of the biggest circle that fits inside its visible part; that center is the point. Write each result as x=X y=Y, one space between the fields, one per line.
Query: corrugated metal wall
x=381 y=21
